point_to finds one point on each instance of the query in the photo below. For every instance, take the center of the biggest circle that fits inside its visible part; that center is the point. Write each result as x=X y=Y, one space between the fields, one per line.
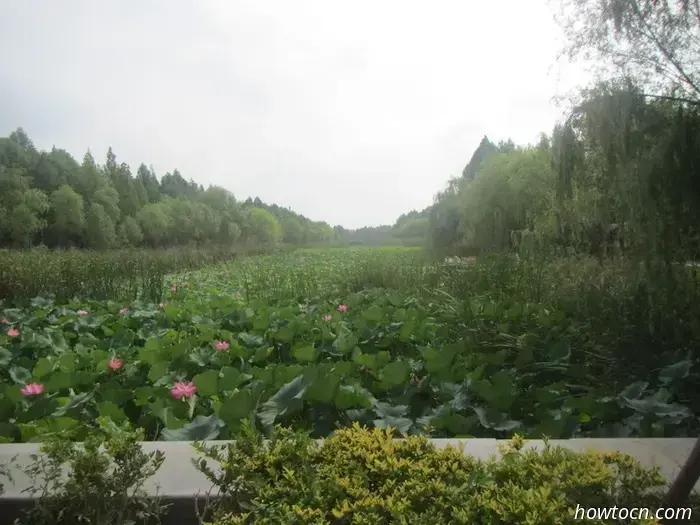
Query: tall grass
x=119 y=274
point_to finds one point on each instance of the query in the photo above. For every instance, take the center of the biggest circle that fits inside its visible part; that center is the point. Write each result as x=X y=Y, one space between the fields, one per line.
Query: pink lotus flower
x=326 y=317
x=122 y=311
x=173 y=288
x=185 y=284
x=182 y=390
x=4 y=320
x=342 y=307
x=221 y=345
x=13 y=332
x=32 y=389
x=115 y=364
x=82 y=313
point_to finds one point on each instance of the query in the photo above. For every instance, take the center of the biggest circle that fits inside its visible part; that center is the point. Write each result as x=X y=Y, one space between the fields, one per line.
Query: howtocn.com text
x=635 y=513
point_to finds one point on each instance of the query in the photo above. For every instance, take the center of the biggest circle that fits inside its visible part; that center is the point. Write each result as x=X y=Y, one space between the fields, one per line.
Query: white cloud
x=351 y=113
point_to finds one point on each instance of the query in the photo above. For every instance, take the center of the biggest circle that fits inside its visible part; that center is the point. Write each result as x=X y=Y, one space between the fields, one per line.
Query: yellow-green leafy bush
x=361 y=476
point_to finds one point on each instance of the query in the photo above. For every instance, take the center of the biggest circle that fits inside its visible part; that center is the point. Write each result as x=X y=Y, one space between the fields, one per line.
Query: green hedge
x=358 y=476
x=361 y=476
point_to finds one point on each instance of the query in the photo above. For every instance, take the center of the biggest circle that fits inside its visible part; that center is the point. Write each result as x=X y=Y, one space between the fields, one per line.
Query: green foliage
x=366 y=476
x=511 y=192
x=263 y=227
x=21 y=208
x=320 y=338
x=130 y=233
x=68 y=216
x=48 y=198
x=117 y=275
x=154 y=223
x=97 y=482
x=100 y=206
x=481 y=154
x=100 y=232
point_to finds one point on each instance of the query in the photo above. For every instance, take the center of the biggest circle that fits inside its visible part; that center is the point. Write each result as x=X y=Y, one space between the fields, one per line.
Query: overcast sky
x=348 y=112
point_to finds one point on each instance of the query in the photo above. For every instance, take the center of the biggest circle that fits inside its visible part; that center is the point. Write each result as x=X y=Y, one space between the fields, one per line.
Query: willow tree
x=629 y=146
x=510 y=193
x=626 y=162
x=654 y=42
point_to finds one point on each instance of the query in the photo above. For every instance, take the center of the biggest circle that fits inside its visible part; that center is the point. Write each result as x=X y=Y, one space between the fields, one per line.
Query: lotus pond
x=317 y=339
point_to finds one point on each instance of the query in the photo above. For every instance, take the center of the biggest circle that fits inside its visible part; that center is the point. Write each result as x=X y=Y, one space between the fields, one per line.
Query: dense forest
x=48 y=198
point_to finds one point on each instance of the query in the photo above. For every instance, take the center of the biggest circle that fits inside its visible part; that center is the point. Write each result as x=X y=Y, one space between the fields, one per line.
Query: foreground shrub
x=362 y=476
x=5 y=474
x=98 y=482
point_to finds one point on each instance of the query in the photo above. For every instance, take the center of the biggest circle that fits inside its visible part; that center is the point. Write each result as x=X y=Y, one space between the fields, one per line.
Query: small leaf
x=287 y=400
x=112 y=411
x=493 y=419
x=438 y=359
x=251 y=340
x=305 y=353
x=202 y=428
x=42 y=368
x=345 y=342
x=5 y=356
x=635 y=390
x=396 y=373
x=353 y=396
x=20 y=375
x=675 y=371
x=402 y=424
x=373 y=313
x=236 y=407
x=284 y=333
x=207 y=382
x=157 y=371
x=75 y=402
x=559 y=352
x=231 y=378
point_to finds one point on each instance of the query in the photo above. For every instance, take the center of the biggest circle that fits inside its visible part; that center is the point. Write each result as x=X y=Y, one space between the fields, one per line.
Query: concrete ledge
x=178 y=481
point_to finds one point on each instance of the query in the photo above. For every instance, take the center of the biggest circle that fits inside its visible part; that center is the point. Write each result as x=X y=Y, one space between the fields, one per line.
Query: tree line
x=621 y=173
x=48 y=198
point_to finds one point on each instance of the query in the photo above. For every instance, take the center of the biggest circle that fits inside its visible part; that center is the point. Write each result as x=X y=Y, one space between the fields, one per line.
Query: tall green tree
x=483 y=151
x=89 y=179
x=100 y=231
x=22 y=209
x=263 y=227
x=129 y=232
x=67 y=217
x=154 y=221
x=149 y=181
